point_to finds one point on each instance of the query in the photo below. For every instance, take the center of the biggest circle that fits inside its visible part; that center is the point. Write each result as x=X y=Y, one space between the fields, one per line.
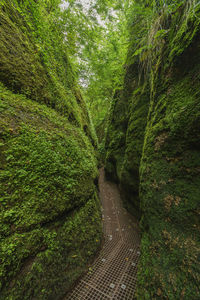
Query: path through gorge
x=113 y=274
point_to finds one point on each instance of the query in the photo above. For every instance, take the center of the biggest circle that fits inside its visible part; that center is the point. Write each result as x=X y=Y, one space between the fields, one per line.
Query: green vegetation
x=98 y=41
x=49 y=208
x=153 y=145
x=132 y=70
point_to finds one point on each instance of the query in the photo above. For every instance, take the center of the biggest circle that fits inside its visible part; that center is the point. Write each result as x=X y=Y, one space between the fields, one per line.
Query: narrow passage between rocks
x=113 y=274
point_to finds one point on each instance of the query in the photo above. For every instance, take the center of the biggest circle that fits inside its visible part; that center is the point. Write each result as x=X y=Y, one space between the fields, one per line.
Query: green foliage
x=99 y=37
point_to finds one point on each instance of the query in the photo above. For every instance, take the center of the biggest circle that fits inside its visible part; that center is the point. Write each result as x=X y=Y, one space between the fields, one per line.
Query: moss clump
x=45 y=262
x=50 y=219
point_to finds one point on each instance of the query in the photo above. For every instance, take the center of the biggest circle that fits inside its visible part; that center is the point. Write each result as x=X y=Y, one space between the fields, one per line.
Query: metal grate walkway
x=113 y=274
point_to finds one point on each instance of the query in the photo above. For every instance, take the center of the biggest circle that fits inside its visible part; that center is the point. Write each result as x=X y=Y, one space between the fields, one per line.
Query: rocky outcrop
x=49 y=208
x=158 y=170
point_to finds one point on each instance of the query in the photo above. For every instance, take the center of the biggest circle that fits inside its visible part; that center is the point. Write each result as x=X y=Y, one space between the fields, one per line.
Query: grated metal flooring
x=113 y=274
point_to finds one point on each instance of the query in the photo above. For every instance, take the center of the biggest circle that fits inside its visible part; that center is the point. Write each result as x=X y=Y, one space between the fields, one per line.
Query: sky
x=85 y=3
x=64 y=5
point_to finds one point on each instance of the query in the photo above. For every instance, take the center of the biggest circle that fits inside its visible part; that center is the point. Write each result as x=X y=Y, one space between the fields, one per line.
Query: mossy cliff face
x=49 y=208
x=168 y=162
x=169 y=184
x=125 y=135
x=115 y=138
x=34 y=60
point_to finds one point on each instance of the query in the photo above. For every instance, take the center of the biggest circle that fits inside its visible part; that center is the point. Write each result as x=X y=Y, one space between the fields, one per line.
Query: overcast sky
x=85 y=3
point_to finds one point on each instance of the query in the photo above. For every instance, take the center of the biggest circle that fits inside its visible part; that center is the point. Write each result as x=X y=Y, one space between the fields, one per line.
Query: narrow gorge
x=86 y=85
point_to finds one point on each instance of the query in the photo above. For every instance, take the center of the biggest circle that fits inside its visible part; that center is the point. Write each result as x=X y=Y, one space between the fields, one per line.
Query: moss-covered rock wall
x=49 y=209
x=125 y=136
x=161 y=155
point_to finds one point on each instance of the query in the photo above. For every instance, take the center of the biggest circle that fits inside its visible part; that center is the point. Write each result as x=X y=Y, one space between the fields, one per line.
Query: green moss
x=169 y=181
x=48 y=206
x=169 y=194
x=51 y=258
x=160 y=156
x=34 y=60
x=49 y=211
x=129 y=176
x=115 y=138
x=125 y=135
